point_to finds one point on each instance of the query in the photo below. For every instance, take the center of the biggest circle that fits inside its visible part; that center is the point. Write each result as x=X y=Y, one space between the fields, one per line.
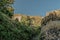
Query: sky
x=35 y=7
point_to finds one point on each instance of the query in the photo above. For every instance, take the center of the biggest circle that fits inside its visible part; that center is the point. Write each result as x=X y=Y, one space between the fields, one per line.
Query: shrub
x=14 y=30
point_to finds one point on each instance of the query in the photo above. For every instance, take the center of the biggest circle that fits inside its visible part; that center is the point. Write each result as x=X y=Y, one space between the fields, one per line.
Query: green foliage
x=6 y=8
x=14 y=30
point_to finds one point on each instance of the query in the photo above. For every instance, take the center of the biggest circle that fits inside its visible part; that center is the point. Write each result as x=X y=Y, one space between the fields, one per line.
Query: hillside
x=37 y=20
x=31 y=20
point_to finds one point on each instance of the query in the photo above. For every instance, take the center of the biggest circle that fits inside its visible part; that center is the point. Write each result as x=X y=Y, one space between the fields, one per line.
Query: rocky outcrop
x=50 y=29
x=36 y=20
x=17 y=16
x=51 y=16
x=28 y=20
x=55 y=12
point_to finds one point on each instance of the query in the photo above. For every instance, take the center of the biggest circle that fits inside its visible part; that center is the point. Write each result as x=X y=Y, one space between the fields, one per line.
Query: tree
x=13 y=30
x=6 y=7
